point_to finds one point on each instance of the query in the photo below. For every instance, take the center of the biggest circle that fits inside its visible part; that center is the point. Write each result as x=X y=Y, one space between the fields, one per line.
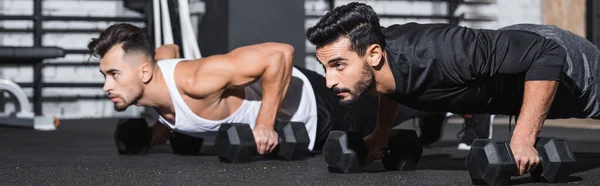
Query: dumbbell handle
x=513 y=156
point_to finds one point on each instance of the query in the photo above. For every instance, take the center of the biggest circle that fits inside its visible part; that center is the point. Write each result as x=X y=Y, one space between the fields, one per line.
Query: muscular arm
x=271 y=62
x=537 y=100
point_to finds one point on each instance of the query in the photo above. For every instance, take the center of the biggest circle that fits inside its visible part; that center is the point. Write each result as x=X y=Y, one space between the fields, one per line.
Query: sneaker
x=431 y=128
x=476 y=126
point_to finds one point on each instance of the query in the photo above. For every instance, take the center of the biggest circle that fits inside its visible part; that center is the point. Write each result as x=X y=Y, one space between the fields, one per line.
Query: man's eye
x=339 y=66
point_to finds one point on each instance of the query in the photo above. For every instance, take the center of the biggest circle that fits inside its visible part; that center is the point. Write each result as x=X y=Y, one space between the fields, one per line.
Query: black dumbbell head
x=184 y=144
x=293 y=140
x=490 y=162
x=556 y=158
x=345 y=152
x=404 y=151
x=235 y=143
x=133 y=136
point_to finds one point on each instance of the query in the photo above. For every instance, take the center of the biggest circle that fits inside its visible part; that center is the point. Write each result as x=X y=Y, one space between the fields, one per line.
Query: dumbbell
x=184 y=144
x=491 y=162
x=133 y=136
x=235 y=142
x=346 y=152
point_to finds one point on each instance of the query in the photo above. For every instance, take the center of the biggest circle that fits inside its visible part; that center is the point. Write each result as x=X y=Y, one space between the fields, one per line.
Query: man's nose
x=107 y=86
x=330 y=81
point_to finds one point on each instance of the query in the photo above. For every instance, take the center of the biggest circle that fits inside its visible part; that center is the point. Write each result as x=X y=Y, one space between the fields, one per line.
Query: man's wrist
x=523 y=138
x=383 y=131
x=264 y=124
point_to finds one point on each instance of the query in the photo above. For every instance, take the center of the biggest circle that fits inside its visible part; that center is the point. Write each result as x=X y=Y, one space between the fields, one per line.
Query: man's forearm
x=159 y=133
x=537 y=99
x=386 y=114
x=275 y=82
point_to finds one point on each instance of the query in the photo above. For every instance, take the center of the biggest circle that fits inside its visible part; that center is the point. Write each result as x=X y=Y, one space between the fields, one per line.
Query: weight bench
x=24 y=116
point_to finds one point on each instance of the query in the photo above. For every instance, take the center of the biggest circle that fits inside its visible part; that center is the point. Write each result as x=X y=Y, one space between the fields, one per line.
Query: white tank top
x=299 y=105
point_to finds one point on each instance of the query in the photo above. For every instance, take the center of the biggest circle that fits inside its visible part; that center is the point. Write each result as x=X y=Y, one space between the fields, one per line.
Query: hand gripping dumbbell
x=491 y=162
x=184 y=144
x=133 y=136
x=346 y=152
x=235 y=142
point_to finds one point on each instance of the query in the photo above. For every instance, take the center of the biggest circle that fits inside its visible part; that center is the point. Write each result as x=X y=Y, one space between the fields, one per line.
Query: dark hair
x=355 y=21
x=133 y=39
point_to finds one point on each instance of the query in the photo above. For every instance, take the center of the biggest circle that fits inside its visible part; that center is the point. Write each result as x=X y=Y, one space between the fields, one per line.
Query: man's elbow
x=277 y=55
x=288 y=49
x=287 y=52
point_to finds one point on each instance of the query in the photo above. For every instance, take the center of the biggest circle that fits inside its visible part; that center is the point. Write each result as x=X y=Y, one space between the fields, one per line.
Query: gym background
x=43 y=59
x=71 y=86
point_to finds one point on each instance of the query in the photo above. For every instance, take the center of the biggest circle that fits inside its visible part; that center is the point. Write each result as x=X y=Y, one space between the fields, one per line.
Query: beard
x=124 y=104
x=361 y=87
x=120 y=107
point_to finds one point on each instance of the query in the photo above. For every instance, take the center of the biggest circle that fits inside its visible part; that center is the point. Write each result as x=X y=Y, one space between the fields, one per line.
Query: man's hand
x=526 y=156
x=378 y=139
x=159 y=134
x=266 y=139
x=537 y=100
x=271 y=63
x=376 y=142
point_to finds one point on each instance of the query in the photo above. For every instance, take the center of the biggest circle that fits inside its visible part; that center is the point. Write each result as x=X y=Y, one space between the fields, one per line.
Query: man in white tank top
x=254 y=84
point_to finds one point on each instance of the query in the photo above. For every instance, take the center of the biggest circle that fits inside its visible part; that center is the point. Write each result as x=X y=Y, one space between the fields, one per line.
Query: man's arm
x=386 y=115
x=160 y=133
x=378 y=139
x=537 y=99
x=271 y=62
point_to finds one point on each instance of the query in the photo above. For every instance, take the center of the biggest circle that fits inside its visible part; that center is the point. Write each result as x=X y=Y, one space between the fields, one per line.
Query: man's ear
x=147 y=71
x=374 y=55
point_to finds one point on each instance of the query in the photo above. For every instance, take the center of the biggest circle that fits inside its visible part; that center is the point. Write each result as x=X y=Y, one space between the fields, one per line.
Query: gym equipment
x=133 y=136
x=404 y=151
x=556 y=160
x=38 y=18
x=235 y=142
x=190 y=46
x=164 y=30
x=491 y=162
x=184 y=144
x=346 y=152
x=24 y=115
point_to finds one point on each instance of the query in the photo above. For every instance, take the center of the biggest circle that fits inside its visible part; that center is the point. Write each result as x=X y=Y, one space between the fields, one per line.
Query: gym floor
x=82 y=152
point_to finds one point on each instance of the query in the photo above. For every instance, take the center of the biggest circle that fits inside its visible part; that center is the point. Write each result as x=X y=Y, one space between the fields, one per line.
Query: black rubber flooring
x=82 y=152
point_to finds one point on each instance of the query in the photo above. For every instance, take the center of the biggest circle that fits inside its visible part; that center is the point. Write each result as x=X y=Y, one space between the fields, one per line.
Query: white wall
x=506 y=11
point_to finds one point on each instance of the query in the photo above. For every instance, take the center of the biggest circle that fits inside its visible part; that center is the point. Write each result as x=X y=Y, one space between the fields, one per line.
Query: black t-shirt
x=447 y=68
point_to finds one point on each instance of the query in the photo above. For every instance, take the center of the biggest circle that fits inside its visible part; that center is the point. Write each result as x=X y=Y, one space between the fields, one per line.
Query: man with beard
x=254 y=84
x=535 y=72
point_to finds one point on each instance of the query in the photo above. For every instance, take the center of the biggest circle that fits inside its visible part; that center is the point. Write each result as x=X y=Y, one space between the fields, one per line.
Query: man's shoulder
x=413 y=26
x=415 y=31
x=163 y=63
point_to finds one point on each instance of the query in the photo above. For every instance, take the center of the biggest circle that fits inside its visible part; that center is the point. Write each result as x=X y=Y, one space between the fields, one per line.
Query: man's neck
x=156 y=94
x=384 y=78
